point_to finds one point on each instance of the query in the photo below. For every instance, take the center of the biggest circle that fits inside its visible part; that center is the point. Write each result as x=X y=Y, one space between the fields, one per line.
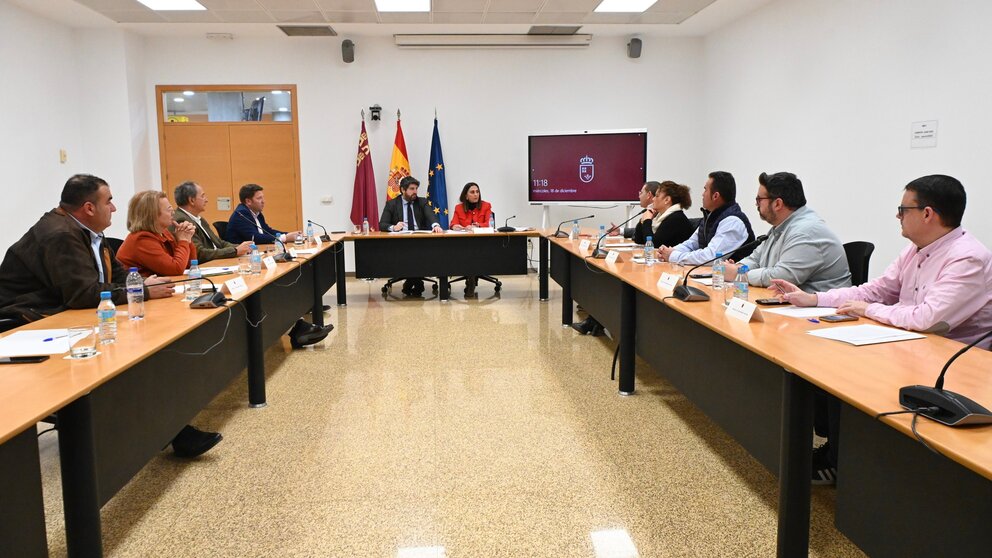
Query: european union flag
x=437 y=188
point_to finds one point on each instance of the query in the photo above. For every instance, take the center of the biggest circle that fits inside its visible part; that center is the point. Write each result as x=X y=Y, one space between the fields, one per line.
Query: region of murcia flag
x=399 y=165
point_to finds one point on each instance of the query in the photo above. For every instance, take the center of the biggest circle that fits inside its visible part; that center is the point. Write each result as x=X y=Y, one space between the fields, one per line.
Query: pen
x=53 y=338
x=813 y=320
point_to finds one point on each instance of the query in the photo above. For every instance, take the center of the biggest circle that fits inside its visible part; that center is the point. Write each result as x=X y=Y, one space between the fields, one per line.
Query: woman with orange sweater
x=151 y=247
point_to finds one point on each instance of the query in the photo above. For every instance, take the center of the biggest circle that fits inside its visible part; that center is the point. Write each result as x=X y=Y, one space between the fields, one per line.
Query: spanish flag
x=399 y=166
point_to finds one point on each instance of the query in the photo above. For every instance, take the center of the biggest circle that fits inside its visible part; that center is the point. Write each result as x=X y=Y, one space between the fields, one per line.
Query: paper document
x=216 y=270
x=867 y=334
x=307 y=251
x=484 y=230
x=708 y=281
x=797 y=312
x=452 y=231
x=524 y=229
x=622 y=245
x=37 y=342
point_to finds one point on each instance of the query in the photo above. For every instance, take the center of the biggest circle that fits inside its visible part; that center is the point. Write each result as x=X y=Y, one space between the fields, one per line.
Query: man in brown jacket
x=191 y=201
x=62 y=262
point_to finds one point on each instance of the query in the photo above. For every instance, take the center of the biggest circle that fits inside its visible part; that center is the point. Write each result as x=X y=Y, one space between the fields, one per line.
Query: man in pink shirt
x=941 y=283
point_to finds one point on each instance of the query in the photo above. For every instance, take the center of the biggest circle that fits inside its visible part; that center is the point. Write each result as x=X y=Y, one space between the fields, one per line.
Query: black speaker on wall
x=634 y=48
x=348 y=51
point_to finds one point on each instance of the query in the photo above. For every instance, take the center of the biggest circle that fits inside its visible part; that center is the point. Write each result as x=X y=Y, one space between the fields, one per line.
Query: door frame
x=163 y=125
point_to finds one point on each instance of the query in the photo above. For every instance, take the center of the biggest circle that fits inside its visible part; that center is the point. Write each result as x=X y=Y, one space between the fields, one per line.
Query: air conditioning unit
x=492 y=41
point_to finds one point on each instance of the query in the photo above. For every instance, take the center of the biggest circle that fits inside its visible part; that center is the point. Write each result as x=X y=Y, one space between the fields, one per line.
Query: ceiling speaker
x=634 y=48
x=348 y=51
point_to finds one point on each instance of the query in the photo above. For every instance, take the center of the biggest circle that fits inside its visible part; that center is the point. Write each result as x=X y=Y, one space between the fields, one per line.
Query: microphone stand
x=685 y=293
x=599 y=253
x=943 y=406
x=324 y=237
x=560 y=234
x=214 y=299
x=506 y=228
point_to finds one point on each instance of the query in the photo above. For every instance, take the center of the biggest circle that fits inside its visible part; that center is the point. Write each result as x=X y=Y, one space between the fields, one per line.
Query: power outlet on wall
x=327 y=200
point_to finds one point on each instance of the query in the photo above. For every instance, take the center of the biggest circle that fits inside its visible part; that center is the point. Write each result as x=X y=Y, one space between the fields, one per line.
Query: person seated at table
x=800 y=248
x=667 y=224
x=724 y=228
x=471 y=212
x=151 y=247
x=645 y=197
x=408 y=212
x=940 y=283
x=247 y=222
x=192 y=202
x=62 y=263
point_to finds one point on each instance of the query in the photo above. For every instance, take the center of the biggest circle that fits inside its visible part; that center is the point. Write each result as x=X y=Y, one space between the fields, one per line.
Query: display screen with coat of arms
x=591 y=166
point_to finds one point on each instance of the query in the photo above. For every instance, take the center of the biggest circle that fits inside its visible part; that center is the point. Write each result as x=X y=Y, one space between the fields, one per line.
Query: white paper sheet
x=708 y=281
x=797 y=312
x=215 y=270
x=866 y=334
x=37 y=342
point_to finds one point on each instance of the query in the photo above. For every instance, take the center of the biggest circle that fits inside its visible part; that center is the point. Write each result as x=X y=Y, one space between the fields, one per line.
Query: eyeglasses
x=757 y=199
x=902 y=208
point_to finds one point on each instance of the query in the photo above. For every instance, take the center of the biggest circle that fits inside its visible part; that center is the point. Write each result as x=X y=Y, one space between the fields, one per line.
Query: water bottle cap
x=193 y=262
x=648 y=238
x=132 y=270
x=719 y=254
x=253 y=247
x=742 y=269
x=104 y=295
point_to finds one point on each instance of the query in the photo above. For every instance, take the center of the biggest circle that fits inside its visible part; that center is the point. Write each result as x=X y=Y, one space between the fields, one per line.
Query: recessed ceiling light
x=277 y=92
x=189 y=93
x=403 y=5
x=172 y=5
x=179 y=100
x=624 y=6
x=283 y=109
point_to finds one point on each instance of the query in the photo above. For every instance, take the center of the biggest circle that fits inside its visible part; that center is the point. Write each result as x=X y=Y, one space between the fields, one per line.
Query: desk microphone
x=560 y=234
x=214 y=299
x=599 y=252
x=506 y=227
x=685 y=293
x=945 y=407
x=324 y=237
x=285 y=256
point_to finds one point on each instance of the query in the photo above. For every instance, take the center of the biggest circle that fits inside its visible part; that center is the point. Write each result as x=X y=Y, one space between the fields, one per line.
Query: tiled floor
x=477 y=428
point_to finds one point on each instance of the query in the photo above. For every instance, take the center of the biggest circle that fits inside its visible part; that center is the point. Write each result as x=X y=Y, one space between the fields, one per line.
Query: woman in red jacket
x=151 y=247
x=472 y=211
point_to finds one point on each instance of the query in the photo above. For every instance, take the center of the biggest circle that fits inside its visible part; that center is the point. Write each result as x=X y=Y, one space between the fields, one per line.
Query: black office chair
x=221 y=228
x=113 y=243
x=695 y=222
x=7 y=324
x=389 y=284
x=489 y=278
x=858 y=255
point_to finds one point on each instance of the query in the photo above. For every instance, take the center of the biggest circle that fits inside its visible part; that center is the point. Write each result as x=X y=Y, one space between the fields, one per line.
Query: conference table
x=117 y=410
x=757 y=381
x=444 y=255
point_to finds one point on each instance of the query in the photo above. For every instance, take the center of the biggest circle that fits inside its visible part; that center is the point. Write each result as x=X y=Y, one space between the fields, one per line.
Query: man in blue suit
x=247 y=222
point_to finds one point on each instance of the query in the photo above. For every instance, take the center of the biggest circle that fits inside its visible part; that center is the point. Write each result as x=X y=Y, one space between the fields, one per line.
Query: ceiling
x=260 y=17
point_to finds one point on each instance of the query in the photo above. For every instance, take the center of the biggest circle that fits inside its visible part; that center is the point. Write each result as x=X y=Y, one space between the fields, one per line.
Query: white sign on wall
x=923 y=134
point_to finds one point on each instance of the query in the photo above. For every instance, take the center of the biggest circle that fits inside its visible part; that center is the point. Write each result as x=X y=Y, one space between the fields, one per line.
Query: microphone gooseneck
x=686 y=293
x=558 y=231
x=600 y=253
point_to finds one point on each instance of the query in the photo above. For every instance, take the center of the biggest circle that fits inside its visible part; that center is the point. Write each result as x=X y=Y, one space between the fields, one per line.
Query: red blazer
x=479 y=215
x=158 y=254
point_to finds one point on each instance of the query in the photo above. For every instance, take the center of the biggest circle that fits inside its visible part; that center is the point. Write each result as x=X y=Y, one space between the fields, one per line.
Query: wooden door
x=201 y=153
x=266 y=155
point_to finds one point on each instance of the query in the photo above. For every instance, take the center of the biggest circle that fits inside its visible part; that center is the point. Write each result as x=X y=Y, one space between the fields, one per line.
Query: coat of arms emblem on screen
x=586 y=169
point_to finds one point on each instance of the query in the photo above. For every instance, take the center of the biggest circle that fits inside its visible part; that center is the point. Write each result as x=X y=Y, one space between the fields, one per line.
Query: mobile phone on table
x=23 y=359
x=701 y=275
x=771 y=301
x=838 y=318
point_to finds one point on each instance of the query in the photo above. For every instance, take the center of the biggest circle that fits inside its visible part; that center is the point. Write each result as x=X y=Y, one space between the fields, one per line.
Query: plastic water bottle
x=575 y=230
x=649 y=251
x=492 y=220
x=256 y=260
x=719 y=266
x=106 y=319
x=194 y=288
x=309 y=233
x=602 y=231
x=365 y=226
x=740 y=283
x=135 y=294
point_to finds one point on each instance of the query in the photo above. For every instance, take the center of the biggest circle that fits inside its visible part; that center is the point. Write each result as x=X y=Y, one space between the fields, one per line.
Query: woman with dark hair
x=668 y=225
x=472 y=211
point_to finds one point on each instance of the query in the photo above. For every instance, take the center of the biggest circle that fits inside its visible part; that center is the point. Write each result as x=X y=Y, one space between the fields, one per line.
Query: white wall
x=39 y=96
x=828 y=90
x=487 y=103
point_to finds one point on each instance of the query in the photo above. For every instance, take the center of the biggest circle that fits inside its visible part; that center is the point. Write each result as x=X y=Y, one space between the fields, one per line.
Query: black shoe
x=597 y=330
x=408 y=287
x=416 y=287
x=586 y=326
x=191 y=442
x=823 y=473
x=312 y=334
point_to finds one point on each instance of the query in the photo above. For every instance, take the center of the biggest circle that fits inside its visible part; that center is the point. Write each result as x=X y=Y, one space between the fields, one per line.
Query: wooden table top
x=867 y=377
x=31 y=392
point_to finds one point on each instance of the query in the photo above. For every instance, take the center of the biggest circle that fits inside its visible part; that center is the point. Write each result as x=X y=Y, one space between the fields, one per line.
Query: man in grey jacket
x=800 y=248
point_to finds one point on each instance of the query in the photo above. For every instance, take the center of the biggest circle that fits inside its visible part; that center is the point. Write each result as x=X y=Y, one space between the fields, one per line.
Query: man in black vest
x=408 y=212
x=724 y=227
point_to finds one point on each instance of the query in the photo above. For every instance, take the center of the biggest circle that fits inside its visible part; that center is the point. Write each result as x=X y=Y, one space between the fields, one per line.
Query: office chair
x=695 y=222
x=113 y=243
x=858 y=255
x=489 y=278
x=221 y=228
x=389 y=284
